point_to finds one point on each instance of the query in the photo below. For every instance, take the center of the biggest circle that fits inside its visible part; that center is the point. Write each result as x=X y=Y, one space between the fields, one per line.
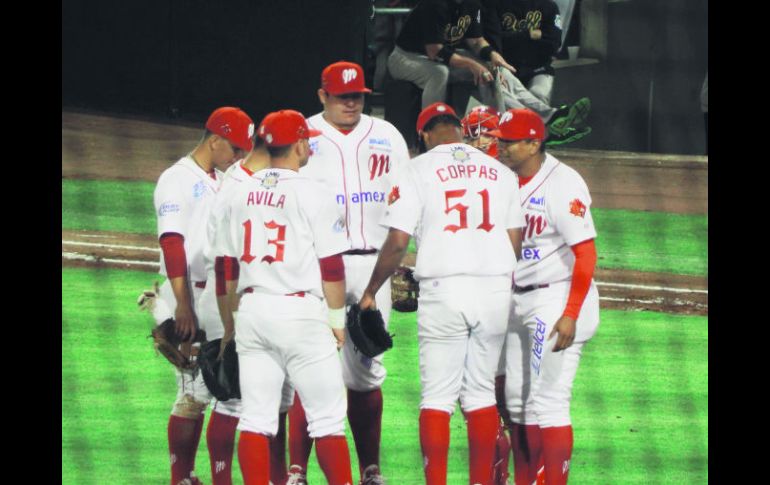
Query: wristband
x=486 y=52
x=445 y=54
x=337 y=317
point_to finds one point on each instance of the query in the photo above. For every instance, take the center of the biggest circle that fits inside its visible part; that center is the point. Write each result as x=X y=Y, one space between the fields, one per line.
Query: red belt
x=360 y=252
x=200 y=284
x=524 y=289
x=301 y=294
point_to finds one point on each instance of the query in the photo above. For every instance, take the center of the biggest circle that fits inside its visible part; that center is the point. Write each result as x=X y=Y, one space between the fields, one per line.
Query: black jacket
x=507 y=24
x=440 y=22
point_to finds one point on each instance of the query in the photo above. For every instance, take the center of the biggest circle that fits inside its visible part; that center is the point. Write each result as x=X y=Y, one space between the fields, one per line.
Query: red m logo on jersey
x=378 y=165
x=534 y=225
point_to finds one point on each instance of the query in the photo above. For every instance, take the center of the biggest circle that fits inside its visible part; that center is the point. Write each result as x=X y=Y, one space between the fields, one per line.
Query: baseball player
x=462 y=207
x=356 y=157
x=220 y=434
x=476 y=124
x=555 y=308
x=286 y=236
x=183 y=198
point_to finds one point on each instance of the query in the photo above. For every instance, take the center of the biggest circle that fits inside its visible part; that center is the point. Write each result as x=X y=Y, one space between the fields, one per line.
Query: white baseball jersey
x=458 y=203
x=278 y=225
x=556 y=208
x=183 y=199
x=358 y=168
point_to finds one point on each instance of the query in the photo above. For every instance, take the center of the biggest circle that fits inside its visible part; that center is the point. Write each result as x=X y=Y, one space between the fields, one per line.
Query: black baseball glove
x=220 y=376
x=404 y=290
x=367 y=331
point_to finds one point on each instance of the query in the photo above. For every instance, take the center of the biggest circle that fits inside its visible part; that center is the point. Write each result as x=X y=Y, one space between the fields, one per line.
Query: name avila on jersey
x=466 y=171
x=361 y=197
x=263 y=197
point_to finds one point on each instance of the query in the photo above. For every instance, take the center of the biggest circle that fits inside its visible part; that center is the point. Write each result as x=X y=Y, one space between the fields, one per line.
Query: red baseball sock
x=183 y=437
x=482 y=440
x=334 y=457
x=502 y=456
x=300 y=442
x=557 y=452
x=220 y=439
x=527 y=446
x=278 y=473
x=434 y=442
x=254 y=458
x=365 y=418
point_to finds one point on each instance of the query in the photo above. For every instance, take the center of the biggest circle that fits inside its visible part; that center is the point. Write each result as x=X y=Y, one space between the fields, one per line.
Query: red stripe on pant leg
x=334 y=457
x=300 y=442
x=526 y=443
x=557 y=453
x=278 y=472
x=183 y=437
x=434 y=443
x=482 y=441
x=254 y=458
x=365 y=417
x=220 y=440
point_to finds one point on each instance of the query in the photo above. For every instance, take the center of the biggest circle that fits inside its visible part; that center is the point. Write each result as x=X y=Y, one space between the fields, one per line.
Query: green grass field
x=644 y=241
x=640 y=408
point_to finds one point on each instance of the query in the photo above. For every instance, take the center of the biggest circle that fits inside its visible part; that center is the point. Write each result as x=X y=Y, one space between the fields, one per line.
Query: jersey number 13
x=278 y=242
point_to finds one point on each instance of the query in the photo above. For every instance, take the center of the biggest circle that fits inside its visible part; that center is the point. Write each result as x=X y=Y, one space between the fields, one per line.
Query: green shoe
x=567 y=136
x=570 y=116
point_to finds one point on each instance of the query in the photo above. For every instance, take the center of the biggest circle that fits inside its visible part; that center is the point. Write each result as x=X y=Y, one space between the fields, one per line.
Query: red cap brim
x=312 y=133
x=362 y=90
x=495 y=133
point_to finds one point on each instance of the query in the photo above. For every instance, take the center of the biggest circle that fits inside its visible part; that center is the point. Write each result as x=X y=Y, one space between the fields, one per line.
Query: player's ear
x=322 y=96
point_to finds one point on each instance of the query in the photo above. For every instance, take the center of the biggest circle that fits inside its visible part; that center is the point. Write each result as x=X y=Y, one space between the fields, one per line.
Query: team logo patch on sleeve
x=339 y=225
x=577 y=208
x=394 y=195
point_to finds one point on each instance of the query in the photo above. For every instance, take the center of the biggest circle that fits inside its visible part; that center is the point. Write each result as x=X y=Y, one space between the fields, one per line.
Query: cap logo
x=262 y=130
x=251 y=130
x=348 y=75
x=440 y=108
x=269 y=138
x=226 y=129
x=532 y=131
x=507 y=116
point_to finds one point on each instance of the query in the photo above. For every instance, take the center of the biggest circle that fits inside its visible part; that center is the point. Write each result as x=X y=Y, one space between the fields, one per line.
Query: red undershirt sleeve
x=226 y=268
x=332 y=268
x=172 y=245
x=585 y=263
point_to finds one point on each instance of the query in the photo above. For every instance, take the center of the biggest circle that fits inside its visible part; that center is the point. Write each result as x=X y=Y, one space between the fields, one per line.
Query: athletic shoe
x=372 y=476
x=567 y=136
x=296 y=476
x=193 y=480
x=567 y=116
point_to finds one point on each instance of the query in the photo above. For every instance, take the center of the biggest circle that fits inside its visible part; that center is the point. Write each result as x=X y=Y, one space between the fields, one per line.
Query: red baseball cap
x=284 y=128
x=234 y=125
x=436 y=109
x=343 y=77
x=519 y=124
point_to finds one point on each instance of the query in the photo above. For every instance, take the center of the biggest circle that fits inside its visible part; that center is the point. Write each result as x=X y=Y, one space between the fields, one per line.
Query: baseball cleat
x=570 y=116
x=372 y=476
x=296 y=476
x=568 y=136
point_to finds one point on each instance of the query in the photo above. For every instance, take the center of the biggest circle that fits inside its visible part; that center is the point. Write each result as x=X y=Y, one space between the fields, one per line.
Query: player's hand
x=535 y=34
x=481 y=74
x=367 y=302
x=184 y=319
x=565 y=329
x=226 y=338
x=339 y=334
x=498 y=60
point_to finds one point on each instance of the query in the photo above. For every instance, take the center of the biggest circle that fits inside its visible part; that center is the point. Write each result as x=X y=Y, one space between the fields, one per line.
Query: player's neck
x=285 y=163
x=531 y=166
x=201 y=160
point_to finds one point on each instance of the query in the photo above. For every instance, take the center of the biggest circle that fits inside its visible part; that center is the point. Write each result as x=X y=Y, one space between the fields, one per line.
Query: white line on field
x=86 y=257
x=646 y=287
x=110 y=246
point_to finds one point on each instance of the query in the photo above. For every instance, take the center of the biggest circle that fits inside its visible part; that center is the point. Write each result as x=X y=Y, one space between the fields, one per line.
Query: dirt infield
x=96 y=146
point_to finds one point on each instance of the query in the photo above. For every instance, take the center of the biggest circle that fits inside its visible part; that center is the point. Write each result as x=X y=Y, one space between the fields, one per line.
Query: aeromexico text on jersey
x=361 y=197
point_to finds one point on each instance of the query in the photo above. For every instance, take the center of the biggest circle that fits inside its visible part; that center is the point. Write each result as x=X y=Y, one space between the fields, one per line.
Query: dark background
x=180 y=59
